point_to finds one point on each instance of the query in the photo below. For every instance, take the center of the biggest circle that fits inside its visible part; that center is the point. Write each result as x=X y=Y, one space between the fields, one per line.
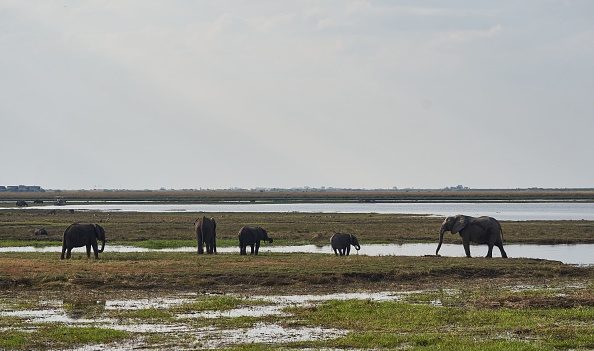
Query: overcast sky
x=216 y=94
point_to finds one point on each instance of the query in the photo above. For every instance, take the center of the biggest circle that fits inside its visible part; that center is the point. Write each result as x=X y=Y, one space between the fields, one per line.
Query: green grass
x=399 y=324
x=55 y=336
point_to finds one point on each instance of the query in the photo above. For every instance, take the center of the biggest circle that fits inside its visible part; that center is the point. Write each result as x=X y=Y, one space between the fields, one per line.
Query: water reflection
x=572 y=254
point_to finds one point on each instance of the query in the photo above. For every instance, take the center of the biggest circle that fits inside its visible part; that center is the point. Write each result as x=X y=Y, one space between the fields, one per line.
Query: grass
x=58 y=336
x=166 y=230
x=227 y=272
x=396 y=325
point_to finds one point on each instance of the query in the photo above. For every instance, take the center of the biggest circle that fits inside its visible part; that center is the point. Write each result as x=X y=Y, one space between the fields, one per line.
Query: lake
x=517 y=211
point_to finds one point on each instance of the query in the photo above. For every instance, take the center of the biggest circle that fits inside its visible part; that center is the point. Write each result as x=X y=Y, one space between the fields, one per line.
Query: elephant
x=250 y=236
x=79 y=235
x=341 y=243
x=206 y=234
x=22 y=203
x=479 y=230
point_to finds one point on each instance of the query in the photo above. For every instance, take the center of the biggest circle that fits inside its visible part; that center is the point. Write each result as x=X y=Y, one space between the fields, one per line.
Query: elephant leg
x=68 y=251
x=503 y=254
x=200 y=245
x=257 y=247
x=466 y=245
x=251 y=249
x=241 y=250
x=96 y=251
x=63 y=251
x=335 y=252
x=348 y=250
x=490 y=252
x=214 y=245
x=88 y=251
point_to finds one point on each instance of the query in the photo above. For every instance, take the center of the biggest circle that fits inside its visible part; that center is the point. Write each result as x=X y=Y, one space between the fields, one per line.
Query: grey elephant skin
x=251 y=236
x=79 y=235
x=478 y=230
x=206 y=235
x=341 y=243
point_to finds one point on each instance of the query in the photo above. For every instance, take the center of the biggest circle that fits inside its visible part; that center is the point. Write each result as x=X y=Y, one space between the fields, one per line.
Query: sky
x=356 y=94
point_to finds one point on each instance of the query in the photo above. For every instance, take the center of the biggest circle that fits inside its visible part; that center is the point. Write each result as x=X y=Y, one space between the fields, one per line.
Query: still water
x=581 y=254
x=501 y=210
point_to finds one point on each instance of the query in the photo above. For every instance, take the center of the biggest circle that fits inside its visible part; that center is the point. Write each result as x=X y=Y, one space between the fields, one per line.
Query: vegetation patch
x=56 y=336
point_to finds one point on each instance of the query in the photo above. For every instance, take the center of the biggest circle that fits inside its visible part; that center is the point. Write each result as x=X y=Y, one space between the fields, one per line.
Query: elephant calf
x=479 y=230
x=252 y=236
x=79 y=235
x=341 y=243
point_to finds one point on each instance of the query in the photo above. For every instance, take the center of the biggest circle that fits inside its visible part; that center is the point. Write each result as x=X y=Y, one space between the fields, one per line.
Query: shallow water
x=580 y=254
x=518 y=211
x=55 y=311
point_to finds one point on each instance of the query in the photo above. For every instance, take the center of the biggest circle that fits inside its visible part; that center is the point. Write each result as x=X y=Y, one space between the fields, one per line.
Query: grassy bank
x=291 y=271
x=176 y=229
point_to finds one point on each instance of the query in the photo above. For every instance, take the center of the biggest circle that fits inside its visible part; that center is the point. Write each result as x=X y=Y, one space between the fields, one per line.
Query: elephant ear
x=97 y=230
x=459 y=224
x=214 y=223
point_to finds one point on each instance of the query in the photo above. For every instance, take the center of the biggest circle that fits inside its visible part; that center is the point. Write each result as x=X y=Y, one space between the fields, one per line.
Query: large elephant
x=252 y=236
x=341 y=243
x=206 y=234
x=79 y=235
x=479 y=230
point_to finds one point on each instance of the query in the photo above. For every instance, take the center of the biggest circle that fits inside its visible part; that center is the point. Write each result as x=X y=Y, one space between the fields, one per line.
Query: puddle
x=580 y=254
x=158 y=302
x=267 y=334
x=251 y=311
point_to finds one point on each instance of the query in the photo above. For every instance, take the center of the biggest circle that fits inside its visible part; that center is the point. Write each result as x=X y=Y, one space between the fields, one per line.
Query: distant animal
x=479 y=230
x=22 y=203
x=251 y=236
x=206 y=234
x=341 y=243
x=79 y=235
x=38 y=202
x=40 y=231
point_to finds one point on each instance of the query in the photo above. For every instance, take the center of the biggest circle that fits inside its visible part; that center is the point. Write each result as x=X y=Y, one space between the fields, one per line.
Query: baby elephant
x=341 y=243
x=79 y=235
x=251 y=236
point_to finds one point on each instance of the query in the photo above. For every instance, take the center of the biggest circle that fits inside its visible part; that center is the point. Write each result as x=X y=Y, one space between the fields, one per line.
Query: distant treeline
x=22 y=188
x=311 y=196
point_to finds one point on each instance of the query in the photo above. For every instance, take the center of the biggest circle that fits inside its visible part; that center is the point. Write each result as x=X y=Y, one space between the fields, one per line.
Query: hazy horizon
x=346 y=94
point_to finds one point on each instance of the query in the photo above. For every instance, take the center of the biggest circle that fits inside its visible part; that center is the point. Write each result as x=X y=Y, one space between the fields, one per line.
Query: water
x=521 y=211
x=580 y=254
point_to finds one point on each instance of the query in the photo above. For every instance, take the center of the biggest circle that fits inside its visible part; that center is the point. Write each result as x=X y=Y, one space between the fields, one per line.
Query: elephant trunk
x=357 y=247
x=102 y=246
x=441 y=231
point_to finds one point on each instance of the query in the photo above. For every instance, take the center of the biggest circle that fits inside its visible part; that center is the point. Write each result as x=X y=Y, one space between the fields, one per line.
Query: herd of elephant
x=478 y=230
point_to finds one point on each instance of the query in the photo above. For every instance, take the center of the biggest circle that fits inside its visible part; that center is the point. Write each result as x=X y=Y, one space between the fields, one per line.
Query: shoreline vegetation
x=307 y=195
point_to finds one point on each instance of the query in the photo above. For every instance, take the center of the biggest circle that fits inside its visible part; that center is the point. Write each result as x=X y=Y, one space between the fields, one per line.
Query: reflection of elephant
x=341 y=243
x=480 y=230
x=79 y=235
x=250 y=236
x=206 y=234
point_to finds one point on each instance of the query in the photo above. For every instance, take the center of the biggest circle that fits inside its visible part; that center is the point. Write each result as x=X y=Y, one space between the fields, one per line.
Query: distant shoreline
x=306 y=196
